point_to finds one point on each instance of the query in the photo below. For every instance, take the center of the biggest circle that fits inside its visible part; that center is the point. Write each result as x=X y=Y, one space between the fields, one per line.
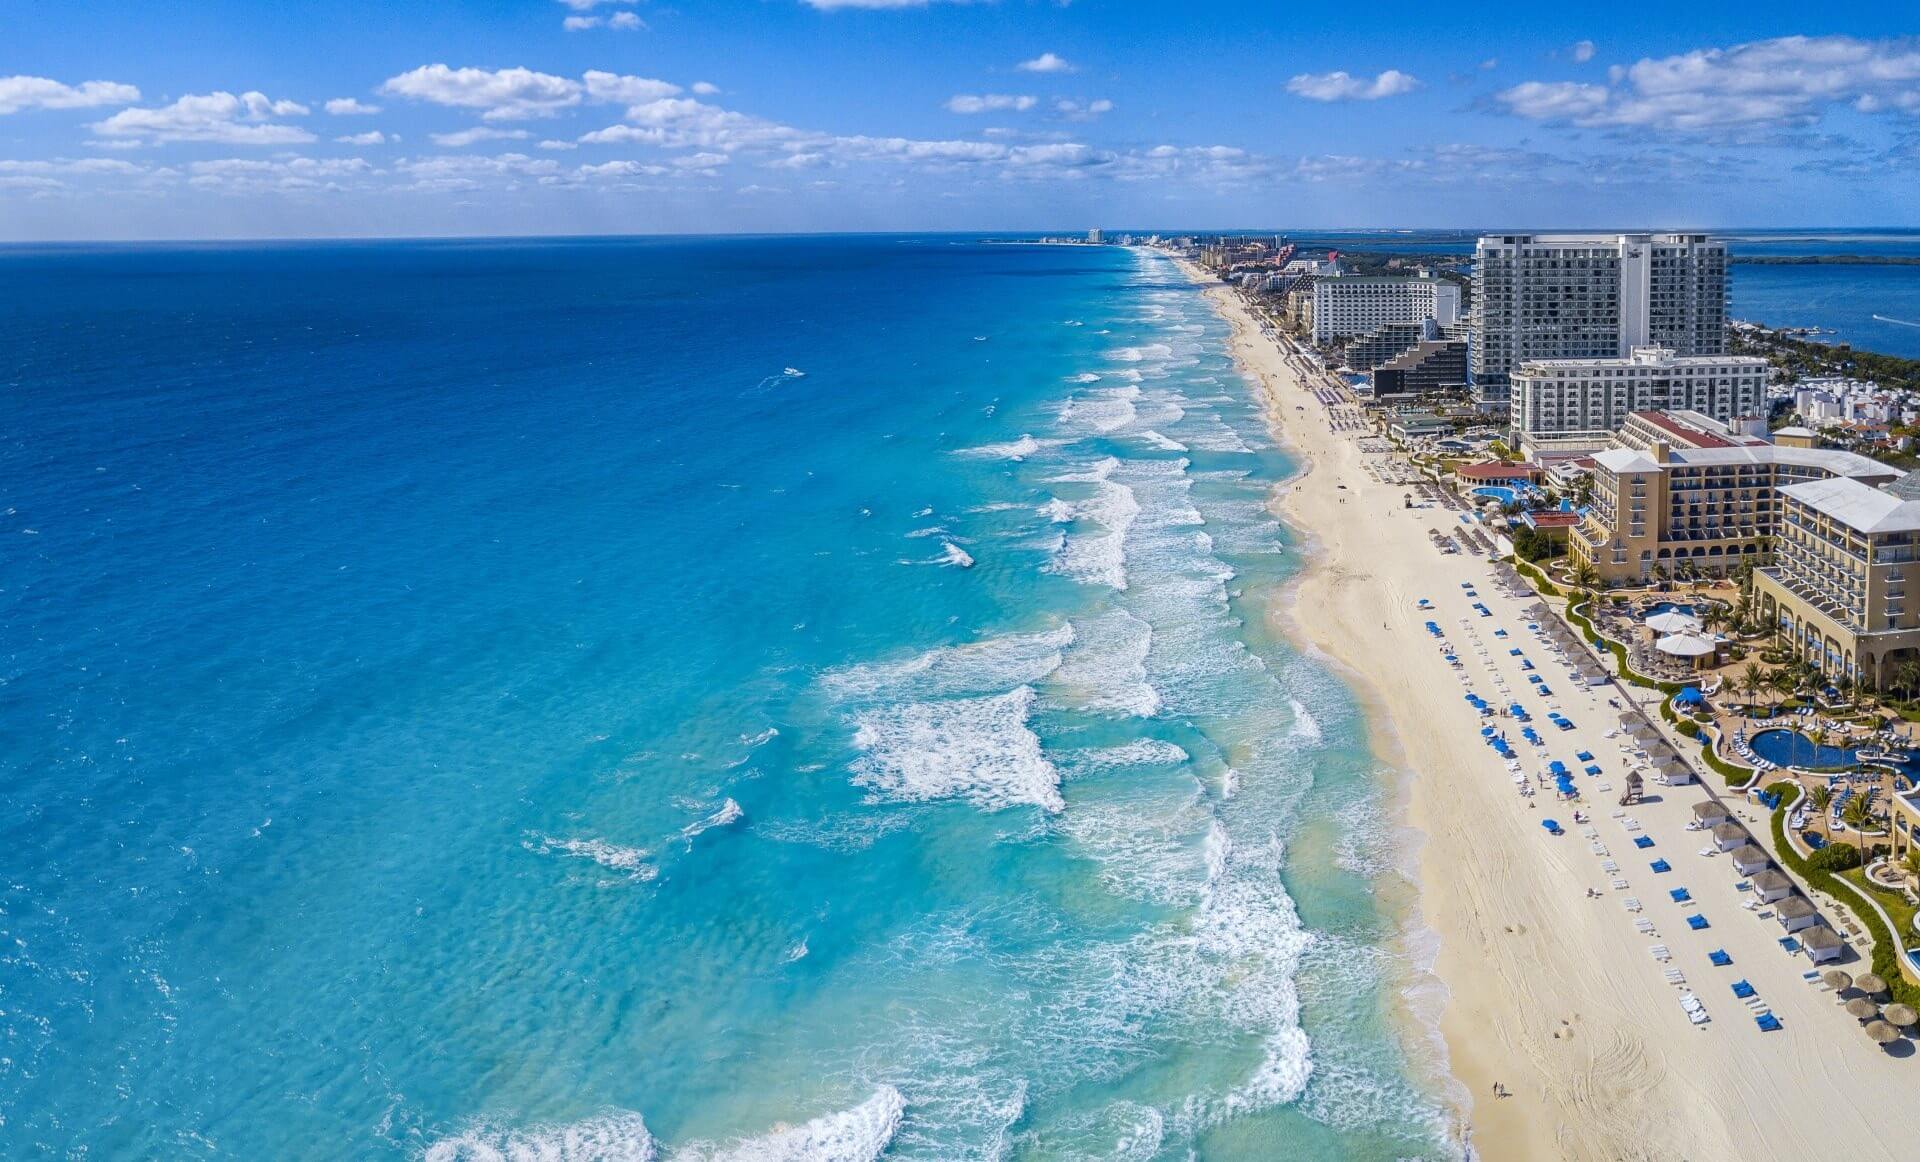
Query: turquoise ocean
x=600 y=699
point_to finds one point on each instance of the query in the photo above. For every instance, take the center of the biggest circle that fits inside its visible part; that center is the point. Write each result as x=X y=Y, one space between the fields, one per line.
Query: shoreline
x=1545 y=987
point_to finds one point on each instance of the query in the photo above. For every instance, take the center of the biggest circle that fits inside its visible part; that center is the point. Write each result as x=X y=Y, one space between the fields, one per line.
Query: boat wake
x=1897 y=322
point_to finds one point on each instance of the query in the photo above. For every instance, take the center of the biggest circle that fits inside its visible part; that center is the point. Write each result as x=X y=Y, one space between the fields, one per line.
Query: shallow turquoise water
x=471 y=698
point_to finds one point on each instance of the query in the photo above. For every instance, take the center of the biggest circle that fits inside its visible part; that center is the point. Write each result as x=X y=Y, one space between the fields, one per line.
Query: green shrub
x=1688 y=727
x=1835 y=857
x=1885 y=962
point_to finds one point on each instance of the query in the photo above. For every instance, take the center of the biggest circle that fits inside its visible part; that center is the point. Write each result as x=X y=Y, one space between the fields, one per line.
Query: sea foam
x=976 y=749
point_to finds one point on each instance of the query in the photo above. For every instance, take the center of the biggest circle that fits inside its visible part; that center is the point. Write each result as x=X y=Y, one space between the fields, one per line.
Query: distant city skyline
x=354 y=119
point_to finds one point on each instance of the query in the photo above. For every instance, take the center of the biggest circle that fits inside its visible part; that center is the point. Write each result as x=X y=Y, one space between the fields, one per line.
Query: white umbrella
x=1673 y=621
x=1685 y=645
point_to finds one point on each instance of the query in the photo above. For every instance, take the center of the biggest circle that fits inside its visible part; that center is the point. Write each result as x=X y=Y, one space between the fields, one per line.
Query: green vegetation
x=1835 y=857
x=1848 y=891
x=1532 y=545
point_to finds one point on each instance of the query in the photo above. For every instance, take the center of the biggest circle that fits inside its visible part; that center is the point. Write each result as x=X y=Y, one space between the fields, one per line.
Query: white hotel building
x=1592 y=296
x=1348 y=306
x=1576 y=405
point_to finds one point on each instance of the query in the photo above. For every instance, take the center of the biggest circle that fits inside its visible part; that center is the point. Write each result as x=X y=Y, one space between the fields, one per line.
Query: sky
x=139 y=119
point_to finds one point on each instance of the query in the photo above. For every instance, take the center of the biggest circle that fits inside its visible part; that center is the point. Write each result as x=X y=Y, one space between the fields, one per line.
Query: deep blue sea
x=761 y=698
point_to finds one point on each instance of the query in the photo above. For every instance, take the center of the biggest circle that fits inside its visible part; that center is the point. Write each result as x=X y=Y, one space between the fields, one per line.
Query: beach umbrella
x=1673 y=621
x=1870 y=984
x=1900 y=1016
x=1882 y=1032
x=1685 y=645
x=1862 y=1009
x=1837 y=980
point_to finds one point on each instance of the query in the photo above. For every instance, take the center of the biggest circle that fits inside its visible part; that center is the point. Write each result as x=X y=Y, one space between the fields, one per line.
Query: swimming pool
x=1503 y=495
x=1791 y=748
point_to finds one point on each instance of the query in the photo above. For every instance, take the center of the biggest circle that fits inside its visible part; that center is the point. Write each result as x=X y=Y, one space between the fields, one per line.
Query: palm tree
x=1585 y=575
x=1906 y=675
x=1660 y=575
x=1856 y=813
x=1751 y=680
x=1783 y=682
x=1821 y=796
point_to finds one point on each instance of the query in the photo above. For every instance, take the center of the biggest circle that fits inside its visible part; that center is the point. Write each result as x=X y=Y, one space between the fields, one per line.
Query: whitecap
x=976 y=749
x=613 y=1137
x=860 y=1134
x=952 y=554
x=725 y=815
x=1106 y=668
x=1156 y=440
x=629 y=861
x=993 y=664
x=1305 y=726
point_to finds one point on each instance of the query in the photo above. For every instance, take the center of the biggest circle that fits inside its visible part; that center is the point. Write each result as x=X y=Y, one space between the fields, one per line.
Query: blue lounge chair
x=1697 y=922
x=1719 y=958
x=1543 y=691
x=1594 y=770
x=1552 y=825
x=1790 y=944
x=1643 y=841
x=1768 y=1023
x=1681 y=896
x=1660 y=866
x=1742 y=989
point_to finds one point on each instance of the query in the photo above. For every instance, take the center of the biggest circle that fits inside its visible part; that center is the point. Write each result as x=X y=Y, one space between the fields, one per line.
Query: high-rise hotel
x=1592 y=296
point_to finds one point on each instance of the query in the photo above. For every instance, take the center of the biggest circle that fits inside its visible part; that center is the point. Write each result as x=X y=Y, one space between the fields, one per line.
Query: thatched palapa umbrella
x=1870 y=984
x=1837 y=980
x=1882 y=1032
x=1860 y=1008
x=1900 y=1016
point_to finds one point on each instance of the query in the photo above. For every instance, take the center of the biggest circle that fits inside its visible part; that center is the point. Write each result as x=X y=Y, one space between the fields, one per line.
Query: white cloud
x=1082 y=111
x=1492 y=62
x=621 y=169
x=552 y=143
x=1582 y=51
x=590 y=5
x=627 y=21
x=466 y=137
x=504 y=94
x=613 y=88
x=222 y=117
x=370 y=137
x=1341 y=86
x=1765 y=86
x=989 y=103
x=580 y=23
x=350 y=107
x=1046 y=62
x=705 y=88
x=705 y=161
x=17 y=93
x=236 y=175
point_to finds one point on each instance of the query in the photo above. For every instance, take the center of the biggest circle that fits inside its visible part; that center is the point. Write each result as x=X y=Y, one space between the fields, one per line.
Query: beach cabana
x=1749 y=860
x=1796 y=913
x=1822 y=944
x=1709 y=814
x=1673 y=771
x=1730 y=835
x=1770 y=886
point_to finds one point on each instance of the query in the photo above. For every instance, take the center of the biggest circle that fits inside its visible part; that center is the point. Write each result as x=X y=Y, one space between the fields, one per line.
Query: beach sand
x=1552 y=993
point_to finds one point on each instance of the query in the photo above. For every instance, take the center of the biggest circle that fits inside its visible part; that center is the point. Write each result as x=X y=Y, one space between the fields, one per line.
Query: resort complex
x=1563 y=406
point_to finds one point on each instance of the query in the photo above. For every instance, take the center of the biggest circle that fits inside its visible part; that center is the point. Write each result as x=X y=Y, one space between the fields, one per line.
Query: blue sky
x=225 y=119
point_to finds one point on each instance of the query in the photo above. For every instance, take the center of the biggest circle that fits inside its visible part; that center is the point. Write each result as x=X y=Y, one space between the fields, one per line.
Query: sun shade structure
x=1869 y=984
x=1685 y=645
x=1900 y=1016
x=1673 y=621
x=1860 y=1008
x=1882 y=1032
x=1836 y=979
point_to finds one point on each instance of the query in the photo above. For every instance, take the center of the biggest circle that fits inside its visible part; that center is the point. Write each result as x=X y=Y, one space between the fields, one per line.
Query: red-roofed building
x=1498 y=472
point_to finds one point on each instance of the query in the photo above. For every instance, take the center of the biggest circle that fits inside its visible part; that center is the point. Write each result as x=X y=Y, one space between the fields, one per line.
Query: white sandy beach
x=1553 y=993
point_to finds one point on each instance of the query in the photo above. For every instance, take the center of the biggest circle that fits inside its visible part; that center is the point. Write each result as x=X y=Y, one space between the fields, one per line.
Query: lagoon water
x=760 y=698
